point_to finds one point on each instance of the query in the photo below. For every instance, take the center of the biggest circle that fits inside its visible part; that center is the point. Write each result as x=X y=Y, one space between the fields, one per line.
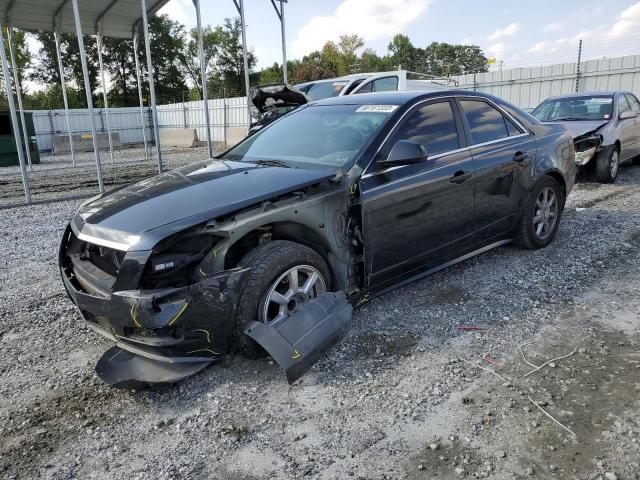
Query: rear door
x=633 y=102
x=419 y=215
x=503 y=153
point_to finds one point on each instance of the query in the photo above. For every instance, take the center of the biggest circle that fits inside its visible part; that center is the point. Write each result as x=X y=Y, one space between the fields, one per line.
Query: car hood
x=581 y=127
x=267 y=97
x=140 y=215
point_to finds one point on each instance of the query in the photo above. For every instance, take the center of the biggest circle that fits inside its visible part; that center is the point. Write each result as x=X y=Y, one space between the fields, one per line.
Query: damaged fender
x=297 y=342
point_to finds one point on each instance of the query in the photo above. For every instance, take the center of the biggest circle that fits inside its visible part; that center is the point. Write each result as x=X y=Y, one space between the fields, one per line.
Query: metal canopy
x=118 y=17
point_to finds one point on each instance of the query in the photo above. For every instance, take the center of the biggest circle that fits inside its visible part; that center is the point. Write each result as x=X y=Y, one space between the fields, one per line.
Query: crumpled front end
x=124 y=298
x=586 y=147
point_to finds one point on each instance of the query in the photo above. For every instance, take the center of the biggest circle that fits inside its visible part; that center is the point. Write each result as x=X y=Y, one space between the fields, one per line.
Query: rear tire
x=268 y=264
x=607 y=164
x=541 y=211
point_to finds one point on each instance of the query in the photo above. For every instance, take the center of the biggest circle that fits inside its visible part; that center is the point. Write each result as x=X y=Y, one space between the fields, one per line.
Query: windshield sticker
x=377 y=108
x=602 y=100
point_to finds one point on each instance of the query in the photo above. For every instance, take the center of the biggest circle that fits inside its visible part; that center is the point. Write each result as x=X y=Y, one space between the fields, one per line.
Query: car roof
x=395 y=97
x=592 y=93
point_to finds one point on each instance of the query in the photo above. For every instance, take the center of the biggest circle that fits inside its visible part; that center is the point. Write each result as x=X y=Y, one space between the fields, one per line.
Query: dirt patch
x=385 y=344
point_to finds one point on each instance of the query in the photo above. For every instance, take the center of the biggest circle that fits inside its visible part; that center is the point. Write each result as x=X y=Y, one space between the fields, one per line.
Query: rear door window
x=486 y=124
x=433 y=125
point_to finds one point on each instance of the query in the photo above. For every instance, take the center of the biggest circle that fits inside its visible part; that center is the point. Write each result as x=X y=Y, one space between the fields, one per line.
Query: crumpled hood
x=140 y=215
x=578 y=128
x=267 y=97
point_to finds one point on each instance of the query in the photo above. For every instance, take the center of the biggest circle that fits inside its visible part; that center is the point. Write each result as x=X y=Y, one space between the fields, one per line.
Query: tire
x=269 y=263
x=607 y=165
x=533 y=213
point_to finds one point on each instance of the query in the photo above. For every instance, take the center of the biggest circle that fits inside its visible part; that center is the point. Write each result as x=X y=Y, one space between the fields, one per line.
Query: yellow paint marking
x=203 y=350
x=206 y=333
x=364 y=299
x=186 y=304
x=133 y=315
x=296 y=354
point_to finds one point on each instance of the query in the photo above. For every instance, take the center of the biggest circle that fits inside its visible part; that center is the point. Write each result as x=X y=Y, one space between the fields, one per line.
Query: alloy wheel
x=613 y=163
x=290 y=291
x=545 y=214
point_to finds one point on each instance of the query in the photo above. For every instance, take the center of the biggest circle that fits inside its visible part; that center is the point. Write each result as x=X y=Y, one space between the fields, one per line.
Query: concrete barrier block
x=235 y=135
x=84 y=142
x=184 y=137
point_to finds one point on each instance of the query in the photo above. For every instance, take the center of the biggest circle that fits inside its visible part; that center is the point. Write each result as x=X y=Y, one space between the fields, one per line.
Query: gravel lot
x=394 y=400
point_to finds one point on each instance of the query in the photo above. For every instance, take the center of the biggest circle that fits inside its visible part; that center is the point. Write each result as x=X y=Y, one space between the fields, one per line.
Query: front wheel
x=607 y=163
x=540 y=215
x=284 y=276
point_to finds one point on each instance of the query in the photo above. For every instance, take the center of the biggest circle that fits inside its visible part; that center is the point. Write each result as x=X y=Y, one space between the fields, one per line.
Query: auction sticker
x=377 y=108
x=602 y=100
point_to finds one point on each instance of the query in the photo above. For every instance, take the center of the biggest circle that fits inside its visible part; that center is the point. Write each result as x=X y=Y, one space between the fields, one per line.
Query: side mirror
x=405 y=152
x=628 y=115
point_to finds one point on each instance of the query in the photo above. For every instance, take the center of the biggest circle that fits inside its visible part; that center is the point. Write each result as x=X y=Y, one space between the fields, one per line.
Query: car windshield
x=322 y=90
x=589 y=107
x=317 y=135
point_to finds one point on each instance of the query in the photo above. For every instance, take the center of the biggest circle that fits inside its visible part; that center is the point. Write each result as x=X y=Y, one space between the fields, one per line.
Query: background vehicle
x=355 y=195
x=605 y=127
x=371 y=82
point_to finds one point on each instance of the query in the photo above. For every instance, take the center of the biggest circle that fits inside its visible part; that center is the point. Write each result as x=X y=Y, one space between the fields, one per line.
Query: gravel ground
x=393 y=400
x=55 y=178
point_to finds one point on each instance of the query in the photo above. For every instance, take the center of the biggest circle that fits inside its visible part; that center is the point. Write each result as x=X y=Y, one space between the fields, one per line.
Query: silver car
x=605 y=128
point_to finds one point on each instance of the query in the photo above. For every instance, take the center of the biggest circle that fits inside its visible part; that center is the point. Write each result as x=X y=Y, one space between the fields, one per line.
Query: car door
x=503 y=152
x=418 y=215
x=626 y=129
x=634 y=103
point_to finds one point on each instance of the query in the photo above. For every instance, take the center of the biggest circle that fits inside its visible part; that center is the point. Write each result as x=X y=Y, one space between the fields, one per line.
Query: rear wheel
x=607 y=163
x=284 y=276
x=541 y=213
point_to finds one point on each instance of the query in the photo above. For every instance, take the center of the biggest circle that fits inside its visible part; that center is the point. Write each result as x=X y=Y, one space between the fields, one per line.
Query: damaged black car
x=605 y=128
x=269 y=246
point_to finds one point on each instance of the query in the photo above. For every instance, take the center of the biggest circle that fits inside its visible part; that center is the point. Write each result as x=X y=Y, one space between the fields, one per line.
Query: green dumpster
x=8 y=151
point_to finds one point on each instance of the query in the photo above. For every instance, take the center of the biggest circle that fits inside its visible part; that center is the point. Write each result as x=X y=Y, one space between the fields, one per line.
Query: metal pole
x=17 y=84
x=14 y=118
x=285 y=76
x=104 y=89
x=56 y=36
x=240 y=7
x=152 y=90
x=203 y=74
x=578 y=66
x=87 y=89
x=139 y=81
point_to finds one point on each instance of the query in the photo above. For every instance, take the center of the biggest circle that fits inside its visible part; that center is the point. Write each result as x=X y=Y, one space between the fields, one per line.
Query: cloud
x=553 y=27
x=181 y=11
x=503 y=32
x=371 y=19
x=628 y=21
x=538 y=47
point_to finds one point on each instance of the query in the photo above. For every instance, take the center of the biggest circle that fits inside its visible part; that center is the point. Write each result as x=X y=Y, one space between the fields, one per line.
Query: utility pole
x=500 y=64
x=578 y=66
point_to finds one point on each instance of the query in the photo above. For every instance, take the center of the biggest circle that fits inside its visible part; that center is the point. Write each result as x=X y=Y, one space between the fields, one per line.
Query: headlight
x=586 y=147
x=174 y=260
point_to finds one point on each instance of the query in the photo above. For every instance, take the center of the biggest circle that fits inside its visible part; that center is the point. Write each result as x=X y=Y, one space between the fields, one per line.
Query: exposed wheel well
x=292 y=231
x=560 y=179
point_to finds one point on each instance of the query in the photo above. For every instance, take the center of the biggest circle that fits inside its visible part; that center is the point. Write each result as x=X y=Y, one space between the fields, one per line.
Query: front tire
x=541 y=213
x=607 y=164
x=283 y=276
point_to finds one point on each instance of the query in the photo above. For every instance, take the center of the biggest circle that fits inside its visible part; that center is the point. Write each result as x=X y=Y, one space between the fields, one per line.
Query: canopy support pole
x=240 y=7
x=63 y=85
x=17 y=84
x=283 y=35
x=203 y=74
x=140 y=98
x=152 y=91
x=104 y=88
x=87 y=89
x=14 y=117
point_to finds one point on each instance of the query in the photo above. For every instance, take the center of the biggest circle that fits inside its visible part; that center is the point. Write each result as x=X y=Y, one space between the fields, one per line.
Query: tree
x=444 y=59
x=192 y=55
x=21 y=53
x=403 y=54
x=119 y=62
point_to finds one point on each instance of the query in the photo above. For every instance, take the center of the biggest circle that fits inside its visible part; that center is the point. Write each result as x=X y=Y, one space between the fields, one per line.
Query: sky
x=515 y=33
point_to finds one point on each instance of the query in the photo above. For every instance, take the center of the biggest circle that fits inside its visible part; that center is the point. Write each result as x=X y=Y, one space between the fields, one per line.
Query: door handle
x=460 y=176
x=520 y=157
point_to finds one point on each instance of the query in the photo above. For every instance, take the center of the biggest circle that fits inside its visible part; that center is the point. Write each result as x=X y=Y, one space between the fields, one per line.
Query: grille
x=106 y=259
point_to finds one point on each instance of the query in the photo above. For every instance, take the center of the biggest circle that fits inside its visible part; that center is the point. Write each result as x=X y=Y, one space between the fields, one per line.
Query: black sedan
x=268 y=246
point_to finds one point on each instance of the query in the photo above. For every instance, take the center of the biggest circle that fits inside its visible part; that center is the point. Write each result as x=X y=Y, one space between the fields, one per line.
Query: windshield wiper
x=568 y=119
x=270 y=163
